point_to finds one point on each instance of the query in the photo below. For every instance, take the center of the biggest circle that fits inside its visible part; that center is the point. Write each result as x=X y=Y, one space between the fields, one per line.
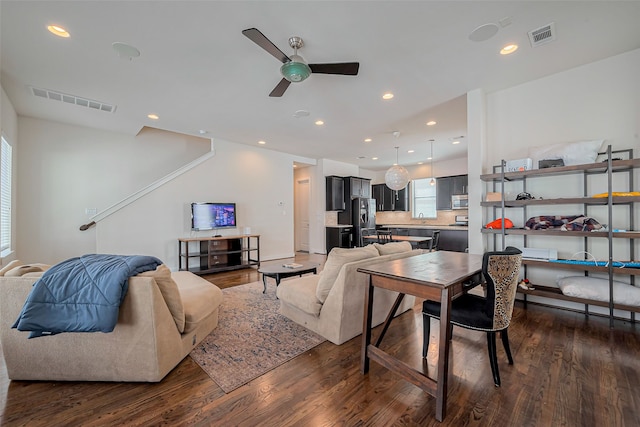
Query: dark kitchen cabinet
x=443 y=193
x=335 y=193
x=357 y=187
x=459 y=184
x=339 y=237
x=390 y=200
x=448 y=186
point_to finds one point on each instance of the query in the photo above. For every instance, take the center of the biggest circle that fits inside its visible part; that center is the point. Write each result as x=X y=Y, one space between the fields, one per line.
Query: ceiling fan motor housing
x=295 y=70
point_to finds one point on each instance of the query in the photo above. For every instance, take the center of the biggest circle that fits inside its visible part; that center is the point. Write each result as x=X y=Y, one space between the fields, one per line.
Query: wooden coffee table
x=279 y=272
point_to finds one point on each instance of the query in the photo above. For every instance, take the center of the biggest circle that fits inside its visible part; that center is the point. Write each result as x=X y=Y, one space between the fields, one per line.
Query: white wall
x=9 y=129
x=257 y=180
x=596 y=101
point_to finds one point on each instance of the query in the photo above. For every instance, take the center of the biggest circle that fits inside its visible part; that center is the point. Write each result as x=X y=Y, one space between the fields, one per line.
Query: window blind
x=5 y=195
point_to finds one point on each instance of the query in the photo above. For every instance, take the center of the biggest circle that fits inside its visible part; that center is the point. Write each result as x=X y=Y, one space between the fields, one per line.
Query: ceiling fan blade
x=344 y=68
x=258 y=38
x=280 y=88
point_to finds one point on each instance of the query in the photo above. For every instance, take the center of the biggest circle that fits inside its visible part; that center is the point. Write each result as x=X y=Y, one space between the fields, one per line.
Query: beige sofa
x=163 y=317
x=332 y=303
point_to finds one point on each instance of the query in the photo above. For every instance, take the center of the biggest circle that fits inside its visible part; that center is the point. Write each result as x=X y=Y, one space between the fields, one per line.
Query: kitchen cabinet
x=356 y=187
x=443 y=193
x=459 y=184
x=338 y=237
x=335 y=200
x=448 y=186
x=390 y=200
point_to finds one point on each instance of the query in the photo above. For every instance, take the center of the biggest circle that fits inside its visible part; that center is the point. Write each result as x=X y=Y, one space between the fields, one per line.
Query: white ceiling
x=198 y=72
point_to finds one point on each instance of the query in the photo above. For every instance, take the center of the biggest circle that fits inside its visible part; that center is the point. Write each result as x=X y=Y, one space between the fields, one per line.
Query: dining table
x=436 y=276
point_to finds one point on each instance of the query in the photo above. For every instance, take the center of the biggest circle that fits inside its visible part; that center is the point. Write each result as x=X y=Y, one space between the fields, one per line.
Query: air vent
x=542 y=35
x=72 y=99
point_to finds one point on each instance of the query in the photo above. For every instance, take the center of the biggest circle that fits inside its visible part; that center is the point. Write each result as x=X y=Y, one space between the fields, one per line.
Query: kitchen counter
x=426 y=226
x=339 y=226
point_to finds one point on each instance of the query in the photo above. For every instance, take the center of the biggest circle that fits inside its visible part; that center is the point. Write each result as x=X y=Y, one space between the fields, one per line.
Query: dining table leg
x=366 y=328
x=443 y=355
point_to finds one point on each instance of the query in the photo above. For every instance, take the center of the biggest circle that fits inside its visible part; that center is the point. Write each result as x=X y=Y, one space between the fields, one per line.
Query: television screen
x=209 y=216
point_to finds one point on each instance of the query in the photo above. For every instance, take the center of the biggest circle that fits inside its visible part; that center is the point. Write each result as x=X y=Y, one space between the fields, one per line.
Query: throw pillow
x=13 y=264
x=170 y=293
x=336 y=259
x=392 y=248
x=598 y=289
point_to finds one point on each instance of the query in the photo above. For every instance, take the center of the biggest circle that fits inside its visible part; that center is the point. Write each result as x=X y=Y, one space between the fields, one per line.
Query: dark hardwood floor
x=569 y=370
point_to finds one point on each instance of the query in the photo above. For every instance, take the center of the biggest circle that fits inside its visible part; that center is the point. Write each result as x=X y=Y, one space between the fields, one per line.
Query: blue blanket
x=81 y=294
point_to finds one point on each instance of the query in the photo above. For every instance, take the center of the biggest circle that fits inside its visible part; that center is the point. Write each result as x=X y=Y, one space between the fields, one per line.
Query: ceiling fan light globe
x=295 y=71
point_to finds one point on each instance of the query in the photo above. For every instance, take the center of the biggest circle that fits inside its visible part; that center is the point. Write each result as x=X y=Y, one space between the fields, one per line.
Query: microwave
x=460 y=201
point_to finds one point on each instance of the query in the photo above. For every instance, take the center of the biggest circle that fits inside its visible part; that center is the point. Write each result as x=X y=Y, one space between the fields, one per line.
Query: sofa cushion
x=301 y=293
x=13 y=264
x=170 y=293
x=336 y=259
x=393 y=248
x=200 y=298
x=27 y=268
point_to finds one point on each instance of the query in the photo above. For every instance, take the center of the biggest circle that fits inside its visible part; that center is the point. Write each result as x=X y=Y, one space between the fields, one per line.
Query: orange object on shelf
x=498 y=223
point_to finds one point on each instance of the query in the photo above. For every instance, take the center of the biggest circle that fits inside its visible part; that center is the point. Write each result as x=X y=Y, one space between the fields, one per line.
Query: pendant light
x=396 y=177
x=433 y=180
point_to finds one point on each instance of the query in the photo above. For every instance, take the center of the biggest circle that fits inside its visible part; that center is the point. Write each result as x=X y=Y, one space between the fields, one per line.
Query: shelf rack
x=608 y=167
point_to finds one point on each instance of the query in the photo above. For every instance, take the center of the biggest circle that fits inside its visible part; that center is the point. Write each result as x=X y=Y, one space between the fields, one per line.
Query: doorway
x=301 y=215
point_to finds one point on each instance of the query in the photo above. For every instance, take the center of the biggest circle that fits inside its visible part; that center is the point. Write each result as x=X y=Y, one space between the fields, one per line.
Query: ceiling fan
x=295 y=69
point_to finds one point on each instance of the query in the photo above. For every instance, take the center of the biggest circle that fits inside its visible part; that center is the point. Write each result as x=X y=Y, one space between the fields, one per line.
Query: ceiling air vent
x=542 y=35
x=72 y=99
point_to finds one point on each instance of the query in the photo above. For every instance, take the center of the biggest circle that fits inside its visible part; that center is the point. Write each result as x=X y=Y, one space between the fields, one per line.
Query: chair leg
x=491 y=341
x=426 y=333
x=505 y=342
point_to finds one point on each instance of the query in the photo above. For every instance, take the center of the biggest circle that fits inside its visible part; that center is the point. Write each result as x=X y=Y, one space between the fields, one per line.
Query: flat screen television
x=210 y=216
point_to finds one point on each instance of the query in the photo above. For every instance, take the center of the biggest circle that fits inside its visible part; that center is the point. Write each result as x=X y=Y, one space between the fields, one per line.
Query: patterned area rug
x=251 y=338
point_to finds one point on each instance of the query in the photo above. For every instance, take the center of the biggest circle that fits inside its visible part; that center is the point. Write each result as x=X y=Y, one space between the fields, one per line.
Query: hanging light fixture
x=433 y=180
x=396 y=177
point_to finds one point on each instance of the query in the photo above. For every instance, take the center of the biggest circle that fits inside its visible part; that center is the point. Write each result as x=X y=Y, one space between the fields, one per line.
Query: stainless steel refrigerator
x=363 y=216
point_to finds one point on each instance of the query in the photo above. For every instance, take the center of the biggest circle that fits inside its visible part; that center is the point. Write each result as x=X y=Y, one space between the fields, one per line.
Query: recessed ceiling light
x=411 y=151
x=420 y=163
x=455 y=142
x=261 y=142
x=319 y=122
x=203 y=132
x=58 y=31
x=153 y=116
x=368 y=140
x=431 y=123
x=374 y=158
x=429 y=158
x=387 y=95
x=508 y=49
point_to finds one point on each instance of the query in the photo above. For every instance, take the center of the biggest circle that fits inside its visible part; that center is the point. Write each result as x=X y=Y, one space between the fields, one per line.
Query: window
x=5 y=196
x=424 y=198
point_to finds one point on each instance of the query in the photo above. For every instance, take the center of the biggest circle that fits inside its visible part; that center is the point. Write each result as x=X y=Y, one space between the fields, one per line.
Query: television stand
x=206 y=255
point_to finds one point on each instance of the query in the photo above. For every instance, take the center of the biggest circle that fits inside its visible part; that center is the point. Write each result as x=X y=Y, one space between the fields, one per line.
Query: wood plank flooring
x=569 y=370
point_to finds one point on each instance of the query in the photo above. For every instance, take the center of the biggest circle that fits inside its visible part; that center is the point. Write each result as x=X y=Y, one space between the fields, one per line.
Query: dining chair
x=490 y=314
x=384 y=236
x=435 y=239
x=365 y=232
